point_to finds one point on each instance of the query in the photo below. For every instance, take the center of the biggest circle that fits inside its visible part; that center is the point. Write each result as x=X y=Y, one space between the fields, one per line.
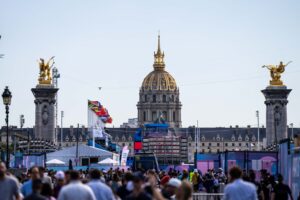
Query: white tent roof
x=83 y=151
x=108 y=161
x=55 y=162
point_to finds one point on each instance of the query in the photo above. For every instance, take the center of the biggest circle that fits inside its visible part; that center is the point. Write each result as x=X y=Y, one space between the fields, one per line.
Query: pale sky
x=214 y=50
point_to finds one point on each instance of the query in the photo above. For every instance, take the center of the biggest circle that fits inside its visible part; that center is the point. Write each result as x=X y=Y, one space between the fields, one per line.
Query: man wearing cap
x=60 y=181
x=170 y=190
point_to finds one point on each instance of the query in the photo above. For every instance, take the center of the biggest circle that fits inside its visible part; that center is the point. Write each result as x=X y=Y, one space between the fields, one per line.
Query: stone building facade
x=211 y=140
x=159 y=95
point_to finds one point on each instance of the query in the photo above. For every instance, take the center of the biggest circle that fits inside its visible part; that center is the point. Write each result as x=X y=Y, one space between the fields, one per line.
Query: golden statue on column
x=275 y=72
x=45 y=71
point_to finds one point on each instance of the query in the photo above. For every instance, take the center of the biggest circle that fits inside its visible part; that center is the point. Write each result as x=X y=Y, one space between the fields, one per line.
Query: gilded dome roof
x=159 y=79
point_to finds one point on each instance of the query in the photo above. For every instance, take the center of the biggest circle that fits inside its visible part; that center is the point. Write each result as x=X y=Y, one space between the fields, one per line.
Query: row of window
x=225 y=144
x=220 y=150
x=240 y=139
x=155 y=116
x=164 y=98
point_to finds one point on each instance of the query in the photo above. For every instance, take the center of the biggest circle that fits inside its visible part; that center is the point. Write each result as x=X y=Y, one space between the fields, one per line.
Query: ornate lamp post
x=6 y=101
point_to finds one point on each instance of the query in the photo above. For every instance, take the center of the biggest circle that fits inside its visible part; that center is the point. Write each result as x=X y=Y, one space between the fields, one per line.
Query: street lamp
x=6 y=101
x=292 y=126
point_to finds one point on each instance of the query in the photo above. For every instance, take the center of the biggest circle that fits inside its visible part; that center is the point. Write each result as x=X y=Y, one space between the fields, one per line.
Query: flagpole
x=93 y=139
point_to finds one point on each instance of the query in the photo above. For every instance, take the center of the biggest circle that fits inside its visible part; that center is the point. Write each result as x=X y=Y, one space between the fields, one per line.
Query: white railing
x=207 y=196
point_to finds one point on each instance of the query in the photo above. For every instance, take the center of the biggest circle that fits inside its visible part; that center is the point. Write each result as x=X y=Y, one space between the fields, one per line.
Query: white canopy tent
x=108 y=161
x=84 y=151
x=55 y=162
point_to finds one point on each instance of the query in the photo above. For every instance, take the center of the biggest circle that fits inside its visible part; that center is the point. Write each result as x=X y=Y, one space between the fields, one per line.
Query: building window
x=218 y=144
x=203 y=144
x=226 y=144
x=154 y=98
x=146 y=98
x=174 y=116
x=154 y=116
x=144 y=117
x=233 y=144
x=209 y=144
x=164 y=98
x=190 y=144
x=240 y=144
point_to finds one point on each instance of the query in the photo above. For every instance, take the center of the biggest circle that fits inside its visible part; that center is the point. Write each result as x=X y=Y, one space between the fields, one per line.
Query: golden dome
x=159 y=79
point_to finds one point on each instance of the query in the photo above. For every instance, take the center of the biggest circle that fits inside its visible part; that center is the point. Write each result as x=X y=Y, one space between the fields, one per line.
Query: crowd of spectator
x=94 y=184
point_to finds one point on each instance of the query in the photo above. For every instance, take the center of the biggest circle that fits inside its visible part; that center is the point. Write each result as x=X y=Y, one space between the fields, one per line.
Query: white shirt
x=240 y=190
x=76 y=191
x=101 y=190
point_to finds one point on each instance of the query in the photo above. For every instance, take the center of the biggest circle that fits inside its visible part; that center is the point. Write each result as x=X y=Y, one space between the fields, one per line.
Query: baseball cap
x=174 y=182
x=164 y=180
x=60 y=175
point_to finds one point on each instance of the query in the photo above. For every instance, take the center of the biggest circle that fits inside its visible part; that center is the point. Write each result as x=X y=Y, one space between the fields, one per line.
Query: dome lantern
x=159 y=63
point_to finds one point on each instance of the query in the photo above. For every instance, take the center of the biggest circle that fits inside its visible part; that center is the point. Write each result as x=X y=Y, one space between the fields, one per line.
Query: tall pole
x=61 y=129
x=258 y=142
x=7 y=150
x=197 y=136
x=28 y=141
x=77 y=160
x=55 y=76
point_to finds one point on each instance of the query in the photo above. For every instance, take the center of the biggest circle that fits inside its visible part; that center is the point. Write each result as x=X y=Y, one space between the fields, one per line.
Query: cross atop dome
x=159 y=63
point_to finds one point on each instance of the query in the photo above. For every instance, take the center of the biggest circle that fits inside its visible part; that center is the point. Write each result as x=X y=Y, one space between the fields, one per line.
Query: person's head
x=37 y=185
x=34 y=173
x=235 y=173
x=60 y=177
x=46 y=190
x=74 y=175
x=173 y=185
x=164 y=181
x=184 y=191
x=95 y=174
x=138 y=180
x=67 y=176
x=115 y=177
x=280 y=178
x=42 y=171
x=2 y=170
x=127 y=177
x=252 y=175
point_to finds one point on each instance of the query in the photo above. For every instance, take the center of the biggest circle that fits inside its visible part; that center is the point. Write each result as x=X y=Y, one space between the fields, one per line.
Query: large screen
x=138 y=145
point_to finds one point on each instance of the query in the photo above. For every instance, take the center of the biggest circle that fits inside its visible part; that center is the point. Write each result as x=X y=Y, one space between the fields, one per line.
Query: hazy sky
x=214 y=50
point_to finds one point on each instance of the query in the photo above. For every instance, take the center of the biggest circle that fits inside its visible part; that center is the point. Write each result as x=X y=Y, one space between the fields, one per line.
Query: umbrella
x=108 y=161
x=55 y=162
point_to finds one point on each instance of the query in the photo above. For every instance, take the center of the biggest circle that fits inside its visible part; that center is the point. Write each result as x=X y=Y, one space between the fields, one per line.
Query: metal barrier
x=207 y=196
